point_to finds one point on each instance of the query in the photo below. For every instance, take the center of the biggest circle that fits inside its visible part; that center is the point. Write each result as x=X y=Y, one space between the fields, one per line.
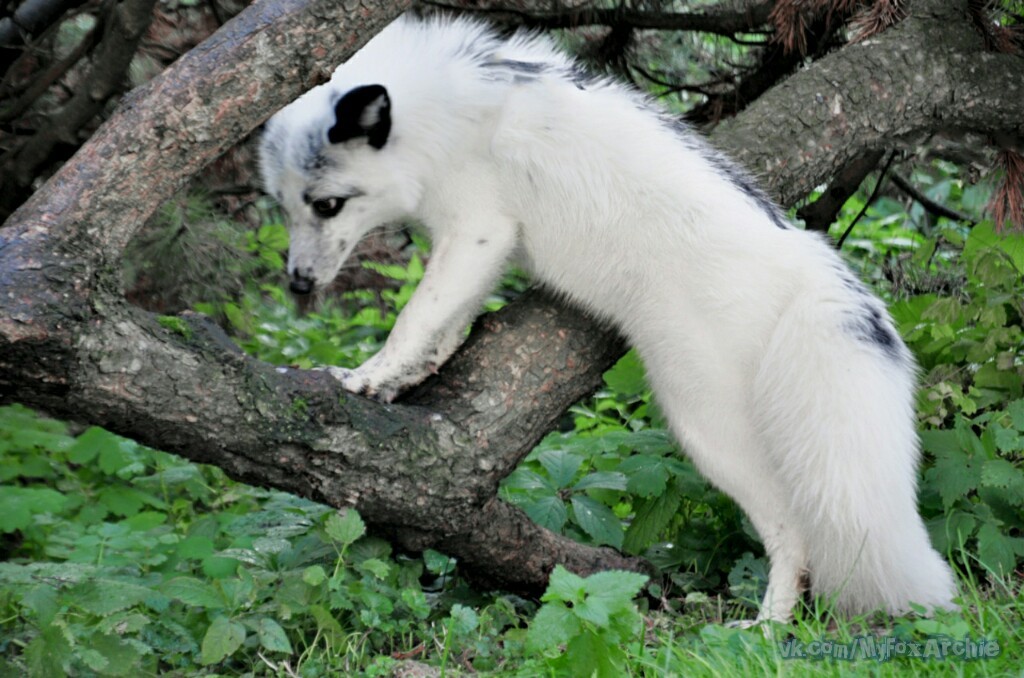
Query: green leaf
x=274 y=236
x=464 y=620
x=120 y=655
x=615 y=589
x=552 y=626
x=90 y=443
x=1008 y=440
x=147 y=520
x=219 y=567
x=18 y=505
x=997 y=551
x=1016 y=410
x=652 y=516
x=116 y=456
x=589 y=654
x=47 y=654
x=940 y=443
x=121 y=500
x=345 y=527
x=984 y=236
x=647 y=475
x=272 y=636
x=326 y=623
x=627 y=375
x=193 y=592
x=195 y=547
x=593 y=610
x=525 y=479
x=748 y=578
x=565 y=586
x=954 y=475
x=560 y=465
x=438 y=563
x=549 y=512
x=597 y=520
x=42 y=600
x=314 y=575
x=222 y=639
x=377 y=568
x=951 y=531
x=605 y=480
x=103 y=596
x=1001 y=473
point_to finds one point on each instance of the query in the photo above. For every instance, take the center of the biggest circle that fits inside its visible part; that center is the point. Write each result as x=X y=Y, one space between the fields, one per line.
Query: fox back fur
x=781 y=374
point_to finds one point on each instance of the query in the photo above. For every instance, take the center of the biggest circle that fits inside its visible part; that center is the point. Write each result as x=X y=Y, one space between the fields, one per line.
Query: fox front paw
x=359 y=382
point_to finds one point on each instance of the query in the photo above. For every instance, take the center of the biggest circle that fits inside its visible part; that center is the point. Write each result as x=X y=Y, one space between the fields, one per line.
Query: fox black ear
x=362 y=112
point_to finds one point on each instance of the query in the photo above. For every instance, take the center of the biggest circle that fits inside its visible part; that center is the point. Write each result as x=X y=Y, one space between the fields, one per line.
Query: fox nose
x=301 y=285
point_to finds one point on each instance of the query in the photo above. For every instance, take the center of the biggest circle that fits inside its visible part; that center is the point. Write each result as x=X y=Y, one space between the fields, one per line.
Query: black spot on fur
x=362 y=112
x=315 y=162
x=745 y=183
x=873 y=327
x=581 y=77
x=731 y=171
x=524 y=67
x=314 y=145
x=850 y=281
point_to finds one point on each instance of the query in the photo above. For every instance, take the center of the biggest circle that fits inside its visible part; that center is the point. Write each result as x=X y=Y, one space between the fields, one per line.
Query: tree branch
x=930 y=72
x=820 y=214
x=31 y=17
x=123 y=28
x=775 y=63
x=42 y=81
x=935 y=208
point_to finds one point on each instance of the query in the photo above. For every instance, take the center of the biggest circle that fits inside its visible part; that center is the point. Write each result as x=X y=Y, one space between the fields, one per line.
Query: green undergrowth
x=121 y=560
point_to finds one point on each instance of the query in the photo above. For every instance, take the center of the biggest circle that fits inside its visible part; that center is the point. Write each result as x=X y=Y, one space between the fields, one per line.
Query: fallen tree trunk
x=426 y=470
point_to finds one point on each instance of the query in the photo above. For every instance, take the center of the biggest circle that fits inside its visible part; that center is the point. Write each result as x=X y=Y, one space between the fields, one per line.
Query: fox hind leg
x=723 y=445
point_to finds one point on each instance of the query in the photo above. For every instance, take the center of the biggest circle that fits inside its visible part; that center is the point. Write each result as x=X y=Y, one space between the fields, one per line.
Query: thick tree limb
x=425 y=470
x=929 y=73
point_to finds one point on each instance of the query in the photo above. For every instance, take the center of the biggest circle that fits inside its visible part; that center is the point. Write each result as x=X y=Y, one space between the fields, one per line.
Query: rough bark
x=424 y=470
x=930 y=74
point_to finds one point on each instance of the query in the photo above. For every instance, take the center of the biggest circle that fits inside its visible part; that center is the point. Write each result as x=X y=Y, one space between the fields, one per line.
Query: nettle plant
x=971 y=350
x=121 y=560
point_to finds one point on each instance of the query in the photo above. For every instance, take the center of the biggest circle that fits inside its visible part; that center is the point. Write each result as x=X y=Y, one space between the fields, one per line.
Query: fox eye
x=326 y=208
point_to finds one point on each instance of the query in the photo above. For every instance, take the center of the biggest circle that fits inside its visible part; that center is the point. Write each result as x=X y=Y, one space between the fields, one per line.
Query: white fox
x=781 y=374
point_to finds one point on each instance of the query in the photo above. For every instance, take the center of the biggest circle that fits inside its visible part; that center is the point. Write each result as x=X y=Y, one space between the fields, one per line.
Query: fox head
x=330 y=162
